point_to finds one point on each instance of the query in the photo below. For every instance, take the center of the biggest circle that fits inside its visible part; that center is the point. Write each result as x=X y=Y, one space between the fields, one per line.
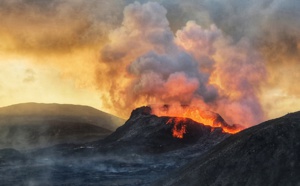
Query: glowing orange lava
x=201 y=116
x=179 y=128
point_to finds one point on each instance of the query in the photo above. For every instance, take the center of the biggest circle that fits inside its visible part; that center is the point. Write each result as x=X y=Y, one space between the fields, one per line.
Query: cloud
x=29 y=76
x=146 y=39
x=272 y=28
x=27 y=27
x=225 y=55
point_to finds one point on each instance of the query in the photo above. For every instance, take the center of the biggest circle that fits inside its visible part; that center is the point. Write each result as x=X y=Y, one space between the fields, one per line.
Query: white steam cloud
x=196 y=66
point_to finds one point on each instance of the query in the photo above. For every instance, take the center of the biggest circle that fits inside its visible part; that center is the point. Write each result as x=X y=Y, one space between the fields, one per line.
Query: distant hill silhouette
x=30 y=125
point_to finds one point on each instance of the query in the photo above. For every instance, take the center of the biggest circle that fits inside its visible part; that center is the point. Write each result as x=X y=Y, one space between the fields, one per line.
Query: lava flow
x=179 y=128
x=201 y=116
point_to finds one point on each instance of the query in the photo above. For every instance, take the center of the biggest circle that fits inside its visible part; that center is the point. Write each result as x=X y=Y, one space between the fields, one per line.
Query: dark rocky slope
x=147 y=133
x=51 y=132
x=266 y=154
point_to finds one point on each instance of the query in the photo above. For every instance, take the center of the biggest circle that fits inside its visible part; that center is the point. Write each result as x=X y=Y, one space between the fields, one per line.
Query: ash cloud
x=272 y=27
x=146 y=38
x=195 y=66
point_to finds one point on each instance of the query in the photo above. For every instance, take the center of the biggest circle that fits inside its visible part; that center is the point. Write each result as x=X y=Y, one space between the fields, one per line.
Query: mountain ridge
x=31 y=125
x=46 y=109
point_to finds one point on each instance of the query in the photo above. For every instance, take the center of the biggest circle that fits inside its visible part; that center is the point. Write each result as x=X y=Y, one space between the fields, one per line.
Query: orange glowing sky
x=79 y=51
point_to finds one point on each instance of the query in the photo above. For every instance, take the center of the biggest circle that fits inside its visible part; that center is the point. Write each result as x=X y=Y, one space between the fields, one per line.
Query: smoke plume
x=195 y=66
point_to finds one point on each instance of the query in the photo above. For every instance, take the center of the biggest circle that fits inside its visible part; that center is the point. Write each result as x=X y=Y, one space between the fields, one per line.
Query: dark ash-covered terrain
x=144 y=152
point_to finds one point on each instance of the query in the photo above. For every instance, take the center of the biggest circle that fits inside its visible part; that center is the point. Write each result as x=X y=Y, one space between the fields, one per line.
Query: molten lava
x=201 y=116
x=179 y=128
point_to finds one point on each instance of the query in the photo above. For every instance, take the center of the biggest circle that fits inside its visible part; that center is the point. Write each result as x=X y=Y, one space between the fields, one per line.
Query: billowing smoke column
x=196 y=67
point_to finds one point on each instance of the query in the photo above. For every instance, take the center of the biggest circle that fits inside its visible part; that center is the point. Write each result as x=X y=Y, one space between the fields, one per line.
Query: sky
x=239 y=58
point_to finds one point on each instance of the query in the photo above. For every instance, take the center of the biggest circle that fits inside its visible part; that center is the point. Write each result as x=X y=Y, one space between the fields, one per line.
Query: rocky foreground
x=266 y=154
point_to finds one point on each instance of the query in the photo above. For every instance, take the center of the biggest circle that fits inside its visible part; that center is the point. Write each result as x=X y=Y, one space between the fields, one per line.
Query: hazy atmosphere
x=238 y=58
x=149 y=93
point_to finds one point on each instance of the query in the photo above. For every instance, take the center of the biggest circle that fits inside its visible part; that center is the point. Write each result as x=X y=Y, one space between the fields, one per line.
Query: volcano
x=146 y=132
x=147 y=151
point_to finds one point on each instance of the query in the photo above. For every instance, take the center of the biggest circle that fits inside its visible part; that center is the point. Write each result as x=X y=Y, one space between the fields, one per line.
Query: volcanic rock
x=266 y=154
x=145 y=132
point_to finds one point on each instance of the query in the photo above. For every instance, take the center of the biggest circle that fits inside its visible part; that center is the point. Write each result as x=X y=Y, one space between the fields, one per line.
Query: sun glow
x=23 y=80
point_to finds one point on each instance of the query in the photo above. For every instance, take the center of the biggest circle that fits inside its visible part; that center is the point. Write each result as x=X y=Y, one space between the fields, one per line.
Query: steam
x=196 y=66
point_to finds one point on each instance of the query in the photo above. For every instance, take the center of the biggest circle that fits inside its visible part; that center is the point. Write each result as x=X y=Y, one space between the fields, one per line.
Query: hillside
x=61 y=111
x=147 y=133
x=32 y=125
x=266 y=154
